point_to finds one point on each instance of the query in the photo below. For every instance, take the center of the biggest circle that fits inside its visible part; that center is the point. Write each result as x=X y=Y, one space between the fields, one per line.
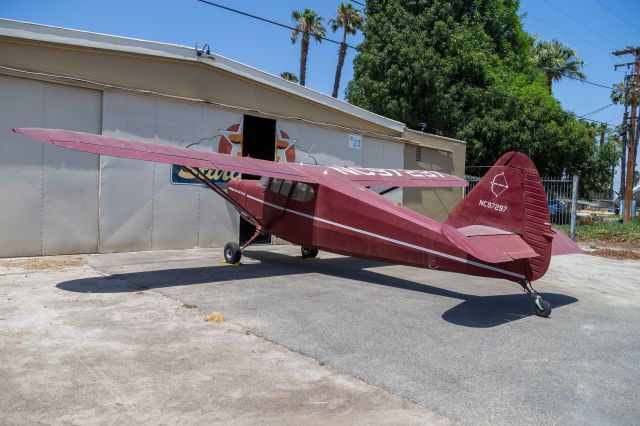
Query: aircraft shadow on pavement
x=474 y=311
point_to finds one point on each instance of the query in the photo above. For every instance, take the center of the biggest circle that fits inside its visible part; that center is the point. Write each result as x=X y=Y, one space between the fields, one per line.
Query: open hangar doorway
x=258 y=141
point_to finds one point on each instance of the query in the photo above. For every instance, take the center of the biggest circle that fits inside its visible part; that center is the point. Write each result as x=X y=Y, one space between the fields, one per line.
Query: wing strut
x=386 y=191
x=215 y=188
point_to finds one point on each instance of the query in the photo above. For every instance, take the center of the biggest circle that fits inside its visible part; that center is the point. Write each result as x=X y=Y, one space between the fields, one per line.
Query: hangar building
x=57 y=201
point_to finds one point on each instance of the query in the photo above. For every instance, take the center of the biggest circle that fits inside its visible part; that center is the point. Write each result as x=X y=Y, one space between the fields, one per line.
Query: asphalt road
x=468 y=348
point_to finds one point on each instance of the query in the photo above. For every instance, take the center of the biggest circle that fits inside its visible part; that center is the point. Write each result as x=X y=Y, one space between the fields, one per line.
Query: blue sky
x=592 y=27
x=594 y=31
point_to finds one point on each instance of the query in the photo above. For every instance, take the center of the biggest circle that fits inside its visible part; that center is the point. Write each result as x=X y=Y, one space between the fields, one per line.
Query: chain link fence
x=561 y=198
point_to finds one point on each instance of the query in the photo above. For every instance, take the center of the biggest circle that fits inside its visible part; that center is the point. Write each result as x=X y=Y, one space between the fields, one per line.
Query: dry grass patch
x=615 y=254
x=214 y=317
x=43 y=263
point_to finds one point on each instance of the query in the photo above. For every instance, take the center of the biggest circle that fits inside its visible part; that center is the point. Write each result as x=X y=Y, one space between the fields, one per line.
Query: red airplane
x=501 y=229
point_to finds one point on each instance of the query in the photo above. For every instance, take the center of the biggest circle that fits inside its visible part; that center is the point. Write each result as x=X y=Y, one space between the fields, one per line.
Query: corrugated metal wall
x=58 y=201
x=139 y=207
x=48 y=195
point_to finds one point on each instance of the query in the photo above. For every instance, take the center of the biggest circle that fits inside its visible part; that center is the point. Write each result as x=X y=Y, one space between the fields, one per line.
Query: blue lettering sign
x=179 y=176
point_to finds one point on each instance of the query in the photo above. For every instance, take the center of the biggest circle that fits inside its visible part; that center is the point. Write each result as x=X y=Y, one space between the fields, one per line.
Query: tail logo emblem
x=499 y=184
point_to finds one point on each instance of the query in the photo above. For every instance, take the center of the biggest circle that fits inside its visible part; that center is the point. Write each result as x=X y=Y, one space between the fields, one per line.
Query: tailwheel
x=541 y=307
x=232 y=253
x=308 y=253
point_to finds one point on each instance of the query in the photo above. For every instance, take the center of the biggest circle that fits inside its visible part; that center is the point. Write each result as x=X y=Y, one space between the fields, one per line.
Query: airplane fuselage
x=501 y=229
x=360 y=223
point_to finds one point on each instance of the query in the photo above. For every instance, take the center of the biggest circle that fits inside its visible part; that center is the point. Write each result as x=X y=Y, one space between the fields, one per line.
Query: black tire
x=546 y=308
x=308 y=253
x=232 y=253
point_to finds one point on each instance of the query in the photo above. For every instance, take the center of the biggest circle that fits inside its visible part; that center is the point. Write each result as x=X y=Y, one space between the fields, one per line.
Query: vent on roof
x=419 y=154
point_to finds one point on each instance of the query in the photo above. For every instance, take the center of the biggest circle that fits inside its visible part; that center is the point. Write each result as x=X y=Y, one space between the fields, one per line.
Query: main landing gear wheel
x=308 y=253
x=232 y=253
x=541 y=307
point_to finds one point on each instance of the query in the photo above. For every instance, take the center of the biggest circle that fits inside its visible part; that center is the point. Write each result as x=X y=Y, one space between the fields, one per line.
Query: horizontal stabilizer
x=489 y=244
x=562 y=244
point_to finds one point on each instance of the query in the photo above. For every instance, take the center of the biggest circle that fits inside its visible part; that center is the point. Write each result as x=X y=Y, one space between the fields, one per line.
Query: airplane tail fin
x=505 y=217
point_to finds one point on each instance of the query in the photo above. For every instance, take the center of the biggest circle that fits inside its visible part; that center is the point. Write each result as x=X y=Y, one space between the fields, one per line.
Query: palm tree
x=289 y=76
x=620 y=94
x=592 y=128
x=557 y=60
x=310 y=25
x=595 y=130
x=351 y=20
x=602 y=130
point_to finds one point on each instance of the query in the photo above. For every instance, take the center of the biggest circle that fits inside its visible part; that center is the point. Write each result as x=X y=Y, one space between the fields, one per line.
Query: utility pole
x=632 y=128
x=625 y=140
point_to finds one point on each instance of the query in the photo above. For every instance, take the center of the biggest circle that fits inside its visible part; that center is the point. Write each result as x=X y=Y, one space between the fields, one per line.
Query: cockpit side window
x=285 y=188
x=303 y=192
x=275 y=185
x=264 y=181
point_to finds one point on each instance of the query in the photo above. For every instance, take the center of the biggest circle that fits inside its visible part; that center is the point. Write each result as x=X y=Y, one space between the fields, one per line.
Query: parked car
x=559 y=212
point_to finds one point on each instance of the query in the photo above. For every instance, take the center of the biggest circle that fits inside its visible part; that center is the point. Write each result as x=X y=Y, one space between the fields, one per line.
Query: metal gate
x=561 y=198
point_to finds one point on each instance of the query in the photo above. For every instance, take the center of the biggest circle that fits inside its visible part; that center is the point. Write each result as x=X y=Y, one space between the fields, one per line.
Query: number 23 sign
x=355 y=141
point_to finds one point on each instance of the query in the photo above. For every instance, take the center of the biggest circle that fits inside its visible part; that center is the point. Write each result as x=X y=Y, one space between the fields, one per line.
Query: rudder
x=511 y=197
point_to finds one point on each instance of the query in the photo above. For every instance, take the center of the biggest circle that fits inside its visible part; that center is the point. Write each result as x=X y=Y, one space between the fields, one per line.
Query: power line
x=269 y=21
x=567 y=32
x=357 y=2
x=613 y=12
x=617 y=117
x=598 y=110
x=580 y=22
x=589 y=82
x=488 y=89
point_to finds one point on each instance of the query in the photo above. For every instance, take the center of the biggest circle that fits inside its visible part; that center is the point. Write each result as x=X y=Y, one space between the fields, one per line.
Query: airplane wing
x=116 y=147
x=367 y=176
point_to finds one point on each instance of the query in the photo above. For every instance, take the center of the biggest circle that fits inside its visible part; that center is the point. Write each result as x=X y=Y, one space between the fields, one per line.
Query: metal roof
x=71 y=37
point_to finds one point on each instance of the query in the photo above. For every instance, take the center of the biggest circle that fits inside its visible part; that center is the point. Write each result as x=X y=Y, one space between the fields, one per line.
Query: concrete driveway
x=468 y=348
x=139 y=357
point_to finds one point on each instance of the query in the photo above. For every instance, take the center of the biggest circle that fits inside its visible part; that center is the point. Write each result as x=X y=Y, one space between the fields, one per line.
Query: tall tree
x=557 y=60
x=289 y=76
x=465 y=69
x=309 y=24
x=596 y=130
x=350 y=20
x=602 y=131
x=600 y=172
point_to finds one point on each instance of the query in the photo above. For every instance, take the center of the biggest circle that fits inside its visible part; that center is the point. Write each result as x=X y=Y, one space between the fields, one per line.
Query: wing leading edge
x=124 y=148
x=367 y=176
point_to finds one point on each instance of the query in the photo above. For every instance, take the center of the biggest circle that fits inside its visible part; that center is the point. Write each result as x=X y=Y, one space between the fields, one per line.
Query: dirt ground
x=610 y=250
